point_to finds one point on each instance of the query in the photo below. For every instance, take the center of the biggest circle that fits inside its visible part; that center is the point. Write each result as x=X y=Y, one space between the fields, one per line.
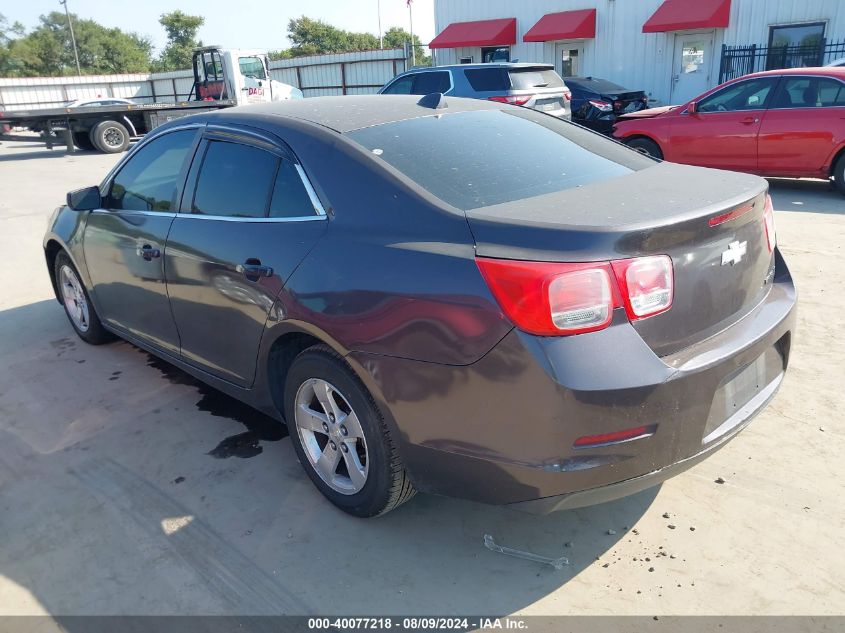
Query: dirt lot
x=113 y=499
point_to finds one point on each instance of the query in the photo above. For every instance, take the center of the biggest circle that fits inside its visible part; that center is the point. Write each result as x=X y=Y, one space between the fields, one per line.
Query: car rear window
x=527 y=78
x=487 y=79
x=481 y=158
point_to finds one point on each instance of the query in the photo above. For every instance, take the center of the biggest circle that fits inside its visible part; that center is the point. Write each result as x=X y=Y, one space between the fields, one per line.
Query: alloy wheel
x=331 y=436
x=74 y=298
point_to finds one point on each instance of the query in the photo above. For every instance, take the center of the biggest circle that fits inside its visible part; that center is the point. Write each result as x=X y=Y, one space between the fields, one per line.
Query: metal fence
x=743 y=60
x=360 y=72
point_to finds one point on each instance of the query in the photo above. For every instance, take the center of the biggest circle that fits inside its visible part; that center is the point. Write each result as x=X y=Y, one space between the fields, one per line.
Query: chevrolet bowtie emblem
x=736 y=251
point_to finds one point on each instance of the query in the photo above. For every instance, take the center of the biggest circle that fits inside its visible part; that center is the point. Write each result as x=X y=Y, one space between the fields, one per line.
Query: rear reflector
x=769 y=223
x=615 y=437
x=512 y=99
x=647 y=283
x=559 y=299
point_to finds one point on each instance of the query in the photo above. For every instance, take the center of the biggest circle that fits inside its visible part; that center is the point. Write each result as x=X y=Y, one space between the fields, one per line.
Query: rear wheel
x=646 y=146
x=340 y=436
x=83 y=140
x=80 y=312
x=839 y=174
x=110 y=137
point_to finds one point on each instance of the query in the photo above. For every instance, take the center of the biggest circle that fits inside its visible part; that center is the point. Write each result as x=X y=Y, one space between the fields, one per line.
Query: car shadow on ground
x=112 y=500
x=809 y=196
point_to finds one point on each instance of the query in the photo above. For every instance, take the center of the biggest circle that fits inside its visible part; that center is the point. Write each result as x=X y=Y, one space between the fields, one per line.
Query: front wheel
x=839 y=174
x=78 y=307
x=340 y=436
x=646 y=146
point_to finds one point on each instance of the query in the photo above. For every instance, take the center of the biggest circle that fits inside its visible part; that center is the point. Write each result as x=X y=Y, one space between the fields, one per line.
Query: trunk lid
x=626 y=101
x=663 y=210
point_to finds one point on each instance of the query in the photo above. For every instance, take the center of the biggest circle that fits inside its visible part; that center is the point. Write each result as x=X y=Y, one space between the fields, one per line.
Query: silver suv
x=535 y=86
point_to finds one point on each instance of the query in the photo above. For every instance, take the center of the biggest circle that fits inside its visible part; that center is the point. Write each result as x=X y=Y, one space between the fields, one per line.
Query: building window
x=495 y=54
x=795 y=46
x=466 y=60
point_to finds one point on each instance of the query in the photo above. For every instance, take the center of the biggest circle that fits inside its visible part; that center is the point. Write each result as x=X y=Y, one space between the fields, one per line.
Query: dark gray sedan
x=438 y=294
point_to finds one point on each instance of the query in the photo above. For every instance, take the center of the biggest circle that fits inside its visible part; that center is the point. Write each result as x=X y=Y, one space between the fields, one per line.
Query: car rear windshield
x=528 y=78
x=481 y=158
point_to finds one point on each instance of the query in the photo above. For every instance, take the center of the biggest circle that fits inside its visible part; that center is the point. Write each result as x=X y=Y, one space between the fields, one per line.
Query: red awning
x=679 y=15
x=568 y=25
x=500 y=32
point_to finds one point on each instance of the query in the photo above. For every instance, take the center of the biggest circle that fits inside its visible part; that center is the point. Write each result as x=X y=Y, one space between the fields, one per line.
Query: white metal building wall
x=621 y=52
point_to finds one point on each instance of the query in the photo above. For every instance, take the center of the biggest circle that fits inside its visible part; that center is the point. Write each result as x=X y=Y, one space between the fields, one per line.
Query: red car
x=787 y=123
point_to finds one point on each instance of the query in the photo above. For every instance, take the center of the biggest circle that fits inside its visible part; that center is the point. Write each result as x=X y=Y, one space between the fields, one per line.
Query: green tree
x=47 y=49
x=181 y=31
x=9 y=34
x=396 y=37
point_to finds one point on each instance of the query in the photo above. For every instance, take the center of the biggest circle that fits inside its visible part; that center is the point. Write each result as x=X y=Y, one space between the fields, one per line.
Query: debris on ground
x=178 y=480
x=557 y=563
x=720 y=480
x=611 y=532
x=670 y=526
x=665 y=515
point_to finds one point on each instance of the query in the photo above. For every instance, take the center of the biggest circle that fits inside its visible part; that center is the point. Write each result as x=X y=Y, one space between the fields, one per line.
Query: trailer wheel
x=110 y=137
x=83 y=140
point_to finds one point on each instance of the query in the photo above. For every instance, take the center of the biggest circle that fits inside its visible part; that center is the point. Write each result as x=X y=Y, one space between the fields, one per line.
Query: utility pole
x=380 y=37
x=413 y=49
x=72 y=37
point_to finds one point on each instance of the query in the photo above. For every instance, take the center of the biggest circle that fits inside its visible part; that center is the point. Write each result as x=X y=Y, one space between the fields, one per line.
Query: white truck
x=223 y=77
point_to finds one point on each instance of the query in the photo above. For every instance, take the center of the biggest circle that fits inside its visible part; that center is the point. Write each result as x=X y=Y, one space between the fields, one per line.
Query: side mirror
x=86 y=199
x=692 y=108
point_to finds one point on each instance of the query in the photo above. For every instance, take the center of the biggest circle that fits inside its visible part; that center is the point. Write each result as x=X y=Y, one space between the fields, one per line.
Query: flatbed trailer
x=105 y=128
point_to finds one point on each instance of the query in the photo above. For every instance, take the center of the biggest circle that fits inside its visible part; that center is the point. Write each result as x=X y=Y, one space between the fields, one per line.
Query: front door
x=691 y=67
x=252 y=78
x=124 y=241
x=724 y=129
x=570 y=58
x=248 y=218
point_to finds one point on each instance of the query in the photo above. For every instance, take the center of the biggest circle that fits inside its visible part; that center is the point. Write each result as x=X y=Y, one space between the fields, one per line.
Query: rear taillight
x=512 y=99
x=647 y=284
x=568 y=95
x=603 y=106
x=769 y=222
x=560 y=299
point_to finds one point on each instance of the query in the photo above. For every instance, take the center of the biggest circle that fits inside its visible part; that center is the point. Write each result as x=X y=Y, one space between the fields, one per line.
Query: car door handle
x=750 y=120
x=148 y=252
x=253 y=270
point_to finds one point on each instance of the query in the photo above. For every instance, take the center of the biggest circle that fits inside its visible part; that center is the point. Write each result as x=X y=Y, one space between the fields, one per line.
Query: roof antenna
x=435 y=101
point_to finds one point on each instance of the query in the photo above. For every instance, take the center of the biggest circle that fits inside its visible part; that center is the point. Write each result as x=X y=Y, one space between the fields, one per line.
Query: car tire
x=646 y=146
x=77 y=304
x=82 y=140
x=344 y=445
x=110 y=137
x=839 y=174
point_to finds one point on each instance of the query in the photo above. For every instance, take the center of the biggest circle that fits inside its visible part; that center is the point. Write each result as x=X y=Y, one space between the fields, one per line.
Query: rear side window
x=528 y=78
x=811 y=92
x=487 y=79
x=235 y=180
x=290 y=198
x=481 y=158
x=148 y=180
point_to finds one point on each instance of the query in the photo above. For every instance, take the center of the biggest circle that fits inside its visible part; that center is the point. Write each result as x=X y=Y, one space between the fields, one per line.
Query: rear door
x=723 y=132
x=248 y=217
x=803 y=126
x=125 y=240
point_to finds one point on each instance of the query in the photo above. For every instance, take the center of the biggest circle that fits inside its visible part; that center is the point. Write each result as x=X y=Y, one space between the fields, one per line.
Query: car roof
x=506 y=65
x=831 y=71
x=352 y=112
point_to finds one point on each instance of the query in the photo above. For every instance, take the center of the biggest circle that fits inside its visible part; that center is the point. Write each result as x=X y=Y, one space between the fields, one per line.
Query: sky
x=238 y=23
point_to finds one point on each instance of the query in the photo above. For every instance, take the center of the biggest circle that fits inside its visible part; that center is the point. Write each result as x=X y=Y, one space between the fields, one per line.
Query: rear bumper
x=502 y=430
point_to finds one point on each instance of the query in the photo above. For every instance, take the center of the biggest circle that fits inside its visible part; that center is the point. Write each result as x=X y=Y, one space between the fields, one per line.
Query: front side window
x=234 y=180
x=252 y=67
x=148 y=180
x=810 y=92
x=745 y=95
x=401 y=86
